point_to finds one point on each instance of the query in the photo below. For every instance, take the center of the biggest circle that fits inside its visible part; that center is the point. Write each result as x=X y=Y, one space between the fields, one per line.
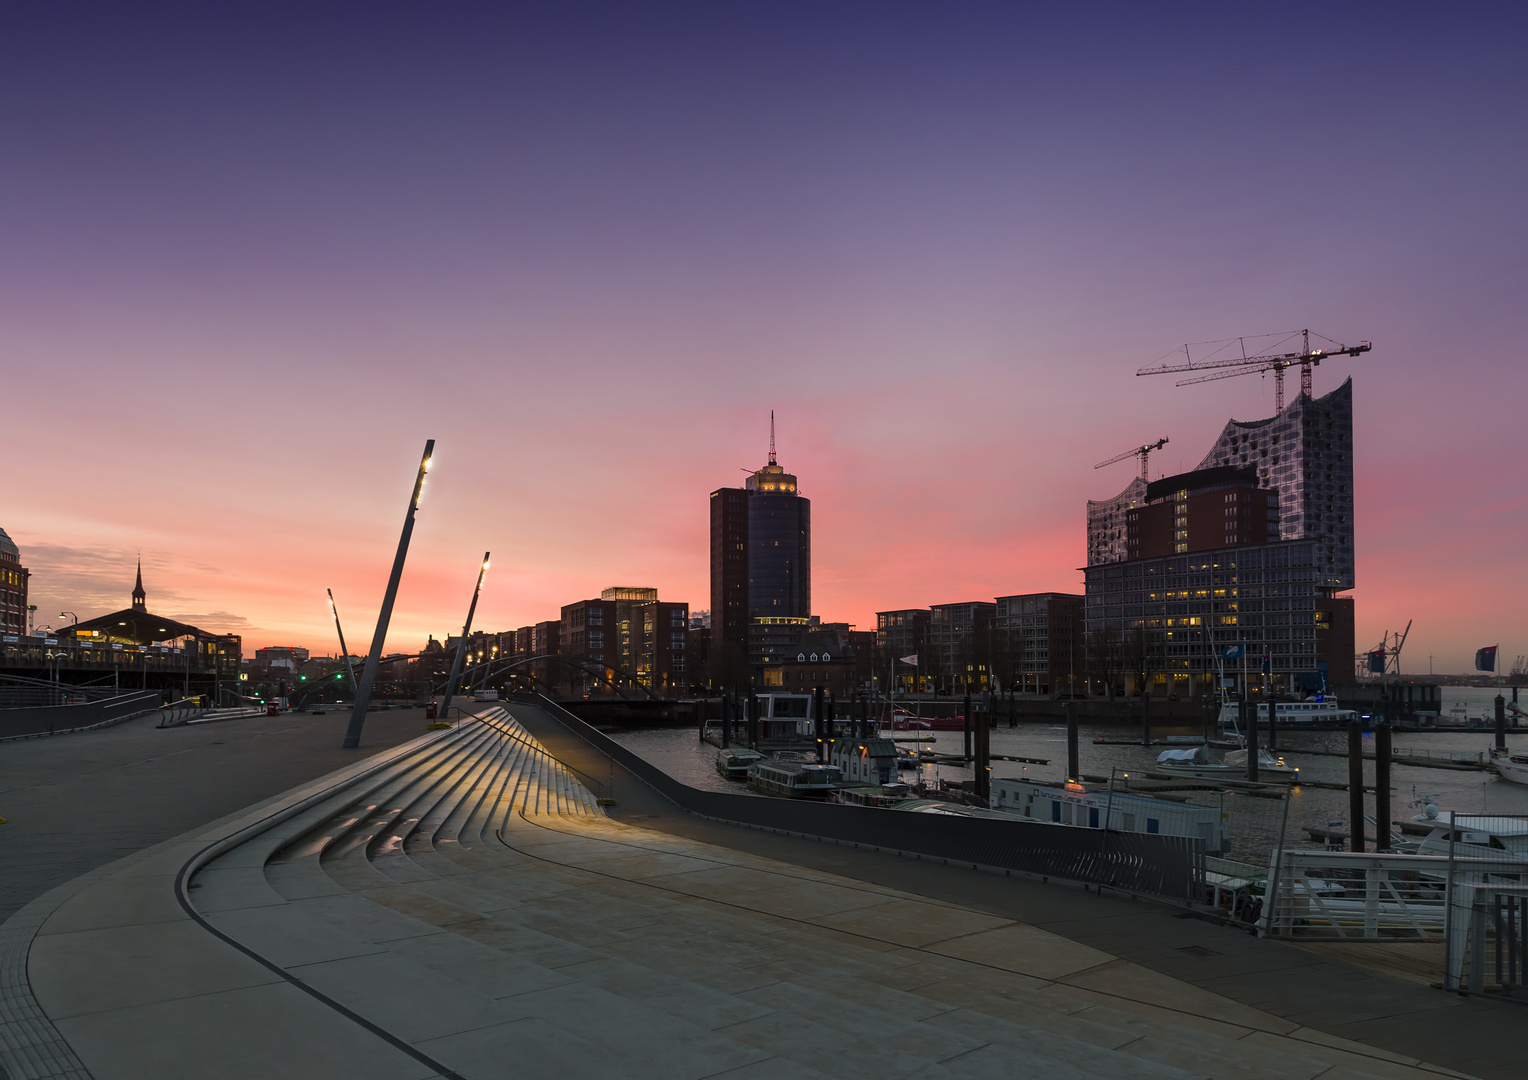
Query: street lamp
x=55 y=658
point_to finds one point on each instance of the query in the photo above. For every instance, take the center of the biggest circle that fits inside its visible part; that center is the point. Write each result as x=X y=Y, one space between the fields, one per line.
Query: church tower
x=139 y=596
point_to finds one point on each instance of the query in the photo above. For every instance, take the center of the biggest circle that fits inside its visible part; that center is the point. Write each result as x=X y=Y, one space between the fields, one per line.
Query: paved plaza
x=460 y=905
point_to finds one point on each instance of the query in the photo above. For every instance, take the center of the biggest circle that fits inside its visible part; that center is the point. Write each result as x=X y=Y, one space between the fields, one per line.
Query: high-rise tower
x=761 y=555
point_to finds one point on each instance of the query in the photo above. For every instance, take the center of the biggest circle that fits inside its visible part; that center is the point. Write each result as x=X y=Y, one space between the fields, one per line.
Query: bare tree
x=1105 y=659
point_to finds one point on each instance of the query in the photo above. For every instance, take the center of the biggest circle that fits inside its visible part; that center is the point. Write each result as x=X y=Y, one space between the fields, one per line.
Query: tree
x=1143 y=652
x=1104 y=659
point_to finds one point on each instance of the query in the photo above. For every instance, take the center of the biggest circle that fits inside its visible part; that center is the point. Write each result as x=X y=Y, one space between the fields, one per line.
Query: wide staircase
x=471 y=904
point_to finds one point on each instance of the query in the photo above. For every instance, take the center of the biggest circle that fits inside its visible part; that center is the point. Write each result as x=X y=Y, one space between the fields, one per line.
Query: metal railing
x=1171 y=867
x=57 y=719
x=1477 y=908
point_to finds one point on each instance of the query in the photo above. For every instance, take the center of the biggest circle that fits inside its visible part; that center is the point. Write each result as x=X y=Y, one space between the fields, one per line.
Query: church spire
x=139 y=596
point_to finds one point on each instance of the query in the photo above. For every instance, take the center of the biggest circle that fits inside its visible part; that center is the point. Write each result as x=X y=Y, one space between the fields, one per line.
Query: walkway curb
x=31 y=1047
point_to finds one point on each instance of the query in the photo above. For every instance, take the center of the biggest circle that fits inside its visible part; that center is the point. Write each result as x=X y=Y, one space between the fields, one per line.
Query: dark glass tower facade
x=761 y=557
x=779 y=546
x=729 y=567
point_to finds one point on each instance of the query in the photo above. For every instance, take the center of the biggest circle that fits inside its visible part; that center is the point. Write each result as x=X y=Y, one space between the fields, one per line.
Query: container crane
x=1143 y=451
x=1385 y=658
x=1306 y=358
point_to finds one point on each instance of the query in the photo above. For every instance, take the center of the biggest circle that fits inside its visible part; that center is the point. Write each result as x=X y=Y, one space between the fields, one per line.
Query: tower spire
x=139 y=596
x=772 y=437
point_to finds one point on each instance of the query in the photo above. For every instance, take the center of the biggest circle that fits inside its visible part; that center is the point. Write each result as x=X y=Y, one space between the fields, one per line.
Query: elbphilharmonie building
x=1251 y=547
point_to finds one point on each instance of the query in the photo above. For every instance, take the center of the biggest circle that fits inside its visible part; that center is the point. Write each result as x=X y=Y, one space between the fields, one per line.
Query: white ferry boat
x=1318 y=713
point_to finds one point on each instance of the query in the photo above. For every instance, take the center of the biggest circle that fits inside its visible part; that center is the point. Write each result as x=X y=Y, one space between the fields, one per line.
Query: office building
x=13 y=589
x=1038 y=642
x=958 y=656
x=1251 y=547
x=899 y=634
x=631 y=632
x=761 y=563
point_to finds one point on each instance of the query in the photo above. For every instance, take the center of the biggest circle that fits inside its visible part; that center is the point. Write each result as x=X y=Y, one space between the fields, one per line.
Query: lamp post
x=374 y=658
x=53 y=659
x=461 y=651
x=344 y=652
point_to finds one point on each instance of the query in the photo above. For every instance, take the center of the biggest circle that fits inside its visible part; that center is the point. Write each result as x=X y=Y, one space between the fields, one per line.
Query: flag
x=1234 y=652
x=1377 y=661
x=913 y=659
x=1485 y=659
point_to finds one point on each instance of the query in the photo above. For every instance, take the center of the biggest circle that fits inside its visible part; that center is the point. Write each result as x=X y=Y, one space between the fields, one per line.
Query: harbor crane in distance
x=1229 y=368
x=1143 y=451
x=1388 y=653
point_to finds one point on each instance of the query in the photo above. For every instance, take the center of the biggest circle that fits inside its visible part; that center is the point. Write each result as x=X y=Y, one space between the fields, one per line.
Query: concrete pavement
x=467 y=910
x=74 y=802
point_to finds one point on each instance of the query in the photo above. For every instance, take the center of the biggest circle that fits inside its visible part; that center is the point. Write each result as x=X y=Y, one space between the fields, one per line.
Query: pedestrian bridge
x=463 y=906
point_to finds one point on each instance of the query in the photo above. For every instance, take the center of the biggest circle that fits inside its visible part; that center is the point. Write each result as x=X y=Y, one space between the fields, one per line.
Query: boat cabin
x=1475 y=836
x=866 y=761
x=1074 y=805
x=794 y=779
x=733 y=762
x=786 y=720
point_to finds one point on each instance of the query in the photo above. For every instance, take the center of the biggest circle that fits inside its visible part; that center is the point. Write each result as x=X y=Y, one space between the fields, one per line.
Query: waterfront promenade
x=459 y=905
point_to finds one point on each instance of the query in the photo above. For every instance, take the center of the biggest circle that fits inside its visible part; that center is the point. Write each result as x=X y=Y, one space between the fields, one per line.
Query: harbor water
x=682 y=755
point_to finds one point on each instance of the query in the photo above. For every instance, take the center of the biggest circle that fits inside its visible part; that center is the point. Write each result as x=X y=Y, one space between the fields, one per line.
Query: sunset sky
x=252 y=256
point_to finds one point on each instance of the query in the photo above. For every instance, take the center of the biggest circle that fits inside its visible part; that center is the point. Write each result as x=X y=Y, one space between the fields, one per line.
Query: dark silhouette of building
x=824 y=658
x=729 y=567
x=900 y=634
x=1038 y=642
x=959 y=651
x=761 y=563
x=218 y=655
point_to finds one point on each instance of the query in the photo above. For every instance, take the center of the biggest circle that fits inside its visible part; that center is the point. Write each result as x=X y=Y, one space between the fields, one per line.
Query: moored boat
x=794 y=779
x=733 y=763
x=1478 y=836
x=1319 y=712
x=1512 y=767
x=1197 y=762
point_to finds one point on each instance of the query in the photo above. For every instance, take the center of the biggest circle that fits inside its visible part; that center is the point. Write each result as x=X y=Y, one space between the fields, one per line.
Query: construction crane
x=1385 y=658
x=1143 y=451
x=1223 y=368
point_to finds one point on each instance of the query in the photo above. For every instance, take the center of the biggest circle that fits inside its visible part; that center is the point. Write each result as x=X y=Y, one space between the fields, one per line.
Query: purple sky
x=251 y=260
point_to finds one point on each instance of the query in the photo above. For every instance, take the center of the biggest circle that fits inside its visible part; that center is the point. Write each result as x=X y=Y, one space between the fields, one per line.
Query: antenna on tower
x=772 y=437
